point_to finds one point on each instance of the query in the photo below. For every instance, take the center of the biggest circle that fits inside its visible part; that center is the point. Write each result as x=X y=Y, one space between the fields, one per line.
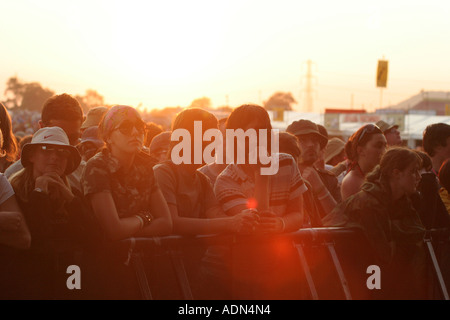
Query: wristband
x=140 y=220
x=146 y=217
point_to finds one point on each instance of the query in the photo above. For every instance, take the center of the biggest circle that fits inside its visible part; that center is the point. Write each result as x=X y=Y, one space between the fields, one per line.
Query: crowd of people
x=76 y=186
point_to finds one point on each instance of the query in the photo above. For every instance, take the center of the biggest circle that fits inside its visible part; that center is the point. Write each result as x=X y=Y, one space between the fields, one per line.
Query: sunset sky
x=168 y=53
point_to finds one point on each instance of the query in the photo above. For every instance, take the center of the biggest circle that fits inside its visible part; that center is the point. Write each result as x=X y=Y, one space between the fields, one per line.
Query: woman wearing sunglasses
x=120 y=187
x=364 y=150
x=119 y=183
x=54 y=214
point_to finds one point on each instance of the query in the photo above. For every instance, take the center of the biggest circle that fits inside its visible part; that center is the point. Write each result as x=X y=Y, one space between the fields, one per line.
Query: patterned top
x=131 y=191
x=192 y=194
x=234 y=187
x=381 y=219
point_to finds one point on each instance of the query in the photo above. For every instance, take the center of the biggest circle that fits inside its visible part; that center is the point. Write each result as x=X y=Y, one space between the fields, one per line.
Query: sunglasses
x=126 y=127
x=62 y=152
x=369 y=129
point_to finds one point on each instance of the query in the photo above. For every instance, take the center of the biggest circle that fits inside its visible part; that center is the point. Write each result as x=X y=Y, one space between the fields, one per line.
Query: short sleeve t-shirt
x=131 y=191
x=234 y=187
x=191 y=193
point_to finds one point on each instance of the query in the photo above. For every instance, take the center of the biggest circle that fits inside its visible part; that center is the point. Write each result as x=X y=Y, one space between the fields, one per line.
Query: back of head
x=398 y=158
x=244 y=114
x=334 y=147
x=61 y=107
x=427 y=165
x=360 y=138
x=94 y=116
x=151 y=130
x=160 y=142
x=435 y=135
x=186 y=118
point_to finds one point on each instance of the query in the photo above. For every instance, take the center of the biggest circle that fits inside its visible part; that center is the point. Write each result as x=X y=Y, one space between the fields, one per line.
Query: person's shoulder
x=166 y=171
x=99 y=162
x=351 y=184
x=163 y=167
x=146 y=160
x=99 y=157
x=13 y=168
x=285 y=159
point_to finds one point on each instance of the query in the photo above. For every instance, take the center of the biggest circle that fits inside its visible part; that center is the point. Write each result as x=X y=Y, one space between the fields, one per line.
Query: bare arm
x=162 y=223
x=350 y=186
x=242 y=222
x=105 y=211
x=320 y=191
x=13 y=228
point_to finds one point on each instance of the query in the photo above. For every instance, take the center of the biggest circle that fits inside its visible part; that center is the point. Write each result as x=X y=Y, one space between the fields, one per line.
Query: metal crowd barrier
x=346 y=253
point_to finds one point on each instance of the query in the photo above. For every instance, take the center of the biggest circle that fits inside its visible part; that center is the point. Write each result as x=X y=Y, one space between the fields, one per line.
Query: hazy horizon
x=169 y=53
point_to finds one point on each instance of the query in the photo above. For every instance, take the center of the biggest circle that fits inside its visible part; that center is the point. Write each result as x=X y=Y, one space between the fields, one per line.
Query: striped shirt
x=234 y=187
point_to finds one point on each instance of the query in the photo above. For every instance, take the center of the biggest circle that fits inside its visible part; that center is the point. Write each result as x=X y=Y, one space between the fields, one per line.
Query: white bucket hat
x=51 y=136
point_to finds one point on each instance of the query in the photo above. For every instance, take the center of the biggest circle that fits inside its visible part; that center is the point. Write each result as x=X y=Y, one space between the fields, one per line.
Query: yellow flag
x=278 y=114
x=382 y=72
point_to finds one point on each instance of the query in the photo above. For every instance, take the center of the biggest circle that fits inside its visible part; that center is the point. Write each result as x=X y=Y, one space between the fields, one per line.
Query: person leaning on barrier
x=119 y=183
x=189 y=193
x=364 y=150
x=384 y=213
x=261 y=271
x=120 y=187
x=279 y=195
x=54 y=212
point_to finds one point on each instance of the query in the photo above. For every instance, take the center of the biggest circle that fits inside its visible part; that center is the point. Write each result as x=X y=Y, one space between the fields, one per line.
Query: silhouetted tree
x=204 y=103
x=283 y=100
x=34 y=96
x=91 y=99
x=14 y=92
x=29 y=96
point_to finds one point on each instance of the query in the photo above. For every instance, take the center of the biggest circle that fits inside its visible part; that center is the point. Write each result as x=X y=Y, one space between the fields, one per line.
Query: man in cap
x=323 y=182
x=391 y=133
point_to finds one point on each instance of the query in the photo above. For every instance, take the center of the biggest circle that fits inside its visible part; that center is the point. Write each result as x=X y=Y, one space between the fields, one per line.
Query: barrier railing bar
x=305 y=267
x=339 y=270
x=141 y=276
x=437 y=269
x=181 y=274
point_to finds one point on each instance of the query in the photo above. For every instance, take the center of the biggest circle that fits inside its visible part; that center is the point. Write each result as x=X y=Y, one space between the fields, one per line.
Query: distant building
x=425 y=102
